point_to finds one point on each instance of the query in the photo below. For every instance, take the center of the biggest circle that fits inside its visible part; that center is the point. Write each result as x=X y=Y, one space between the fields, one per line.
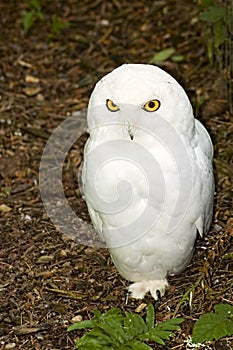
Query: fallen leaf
x=4 y=208
x=31 y=90
x=162 y=55
x=31 y=79
x=44 y=259
x=141 y=307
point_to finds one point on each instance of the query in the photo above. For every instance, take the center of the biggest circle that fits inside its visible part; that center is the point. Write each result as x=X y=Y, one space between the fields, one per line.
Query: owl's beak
x=131 y=131
x=131 y=135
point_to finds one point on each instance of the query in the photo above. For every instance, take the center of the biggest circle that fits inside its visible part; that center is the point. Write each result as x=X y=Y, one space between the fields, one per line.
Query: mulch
x=47 y=279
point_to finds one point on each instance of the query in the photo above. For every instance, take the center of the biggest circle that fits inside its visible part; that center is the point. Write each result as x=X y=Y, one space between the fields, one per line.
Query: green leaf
x=115 y=312
x=163 y=55
x=58 y=24
x=137 y=345
x=36 y=4
x=150 y=317
x=28 y=20
x=219 y=34
x=152 y=336
x=97 y=314
x=110 y=334
x=210 y=51
x=206 y=3
x=114 y=330
x=225 y=310
x=81 y=325
x=163 y=334
x=170 y=325
x=134 y=324
x=91 y=343
x=216 y=325
x=228 y=256
x=34 y=13
x=213 y=14
x=178 y=58
x=118 y=331
x=101 y=339
x=163 y=331
x=129 y=328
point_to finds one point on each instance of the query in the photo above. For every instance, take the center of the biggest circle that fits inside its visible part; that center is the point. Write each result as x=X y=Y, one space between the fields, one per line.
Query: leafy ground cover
x=48 y=68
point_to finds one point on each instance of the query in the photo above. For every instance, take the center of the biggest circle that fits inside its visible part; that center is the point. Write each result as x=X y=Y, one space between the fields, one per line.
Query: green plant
x=214 y=326
x=114 y=330
x=34 y=13
x=217 y=19
x=166 y=54
x=57 y=25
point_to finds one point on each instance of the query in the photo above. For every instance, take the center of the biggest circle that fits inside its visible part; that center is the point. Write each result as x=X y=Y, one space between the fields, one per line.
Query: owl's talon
x=158 y=295
x=157 y=289
x=138 y=289
x=158 y=301
x=127 y=297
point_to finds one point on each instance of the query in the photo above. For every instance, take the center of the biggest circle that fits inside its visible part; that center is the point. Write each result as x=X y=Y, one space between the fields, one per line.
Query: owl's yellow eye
x=152 y=105
x=112 y=106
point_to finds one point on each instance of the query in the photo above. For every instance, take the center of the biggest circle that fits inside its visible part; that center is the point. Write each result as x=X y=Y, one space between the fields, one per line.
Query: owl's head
x=136 y=93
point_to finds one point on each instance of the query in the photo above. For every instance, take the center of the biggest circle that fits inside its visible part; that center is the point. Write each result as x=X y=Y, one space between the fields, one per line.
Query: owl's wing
x=204 y=156
x=204 y=140
x=96 y=218
x=97 y=221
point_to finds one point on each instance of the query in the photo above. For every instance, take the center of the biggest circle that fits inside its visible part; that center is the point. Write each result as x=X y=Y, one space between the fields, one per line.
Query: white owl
x=147 y=174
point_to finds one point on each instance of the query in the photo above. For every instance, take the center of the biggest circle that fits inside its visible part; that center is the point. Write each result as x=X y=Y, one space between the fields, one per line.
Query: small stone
x=105 y=22
x=77 y=318
x=4 y=208
x=31 y=90
x=31 y=79
x=40 y=97
x=10 y=346
x=64 y=252
x=217 y=228
x=27 y=218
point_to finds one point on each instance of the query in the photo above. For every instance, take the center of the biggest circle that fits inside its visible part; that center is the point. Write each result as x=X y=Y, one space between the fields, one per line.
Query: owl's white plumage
x=147 y=175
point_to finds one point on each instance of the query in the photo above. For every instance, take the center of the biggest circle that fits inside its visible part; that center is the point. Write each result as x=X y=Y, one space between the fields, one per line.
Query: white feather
x=168 y=165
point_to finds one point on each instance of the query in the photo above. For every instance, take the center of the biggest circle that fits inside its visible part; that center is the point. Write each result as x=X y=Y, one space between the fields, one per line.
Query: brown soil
x=46 y=279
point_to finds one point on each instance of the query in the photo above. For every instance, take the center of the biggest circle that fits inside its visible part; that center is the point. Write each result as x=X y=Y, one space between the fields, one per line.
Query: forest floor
x=47 y=279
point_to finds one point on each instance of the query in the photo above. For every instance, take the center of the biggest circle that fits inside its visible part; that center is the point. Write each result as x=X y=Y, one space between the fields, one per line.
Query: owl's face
x=135 y=94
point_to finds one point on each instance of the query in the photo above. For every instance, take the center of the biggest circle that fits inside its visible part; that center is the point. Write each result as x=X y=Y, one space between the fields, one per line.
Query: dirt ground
x=46 y=279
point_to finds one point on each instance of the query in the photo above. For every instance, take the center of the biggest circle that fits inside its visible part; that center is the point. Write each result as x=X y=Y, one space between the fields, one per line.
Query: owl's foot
x=139 y=289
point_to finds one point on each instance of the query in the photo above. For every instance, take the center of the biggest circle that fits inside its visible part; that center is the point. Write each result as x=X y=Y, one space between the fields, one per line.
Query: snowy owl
x=147 y=174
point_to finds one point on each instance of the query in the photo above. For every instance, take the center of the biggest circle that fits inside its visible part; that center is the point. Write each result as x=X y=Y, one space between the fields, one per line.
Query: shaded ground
x=44 y=77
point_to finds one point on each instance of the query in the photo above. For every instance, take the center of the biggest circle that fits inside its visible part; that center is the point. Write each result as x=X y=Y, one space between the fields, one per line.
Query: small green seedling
x=114 y=330
x=167 y=54
x=33 y=14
